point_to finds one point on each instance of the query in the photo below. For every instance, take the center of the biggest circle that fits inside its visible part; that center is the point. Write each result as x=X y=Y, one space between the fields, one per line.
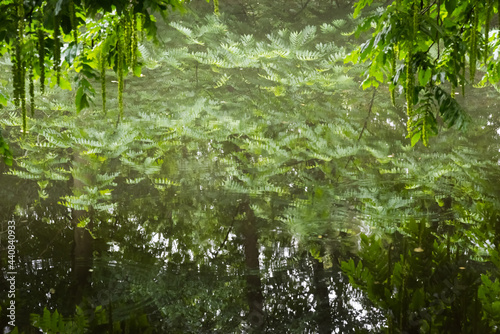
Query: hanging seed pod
x=21 y=72
x=134 y=41
x=393 y=73
x=126 y=38
x=23 y=96
x=41 y=57
x=139 y=28
x=409 y=94
x=119 y=68
x=463 y=74
x=73 y=21
x=473 y=45
x=57 y=49
x=16 y=75
x=102 y=63
x=32 y=90
x=17 y=69
x=216 y=7
x=487 y=30
x=410 y=77
x=129 y=40
x=424 y=132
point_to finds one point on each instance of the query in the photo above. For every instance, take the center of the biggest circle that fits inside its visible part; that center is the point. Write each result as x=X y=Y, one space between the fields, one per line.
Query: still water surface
x=242 y=206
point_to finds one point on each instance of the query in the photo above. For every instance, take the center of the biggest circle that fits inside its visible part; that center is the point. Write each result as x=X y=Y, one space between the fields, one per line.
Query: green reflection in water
x=251 y=187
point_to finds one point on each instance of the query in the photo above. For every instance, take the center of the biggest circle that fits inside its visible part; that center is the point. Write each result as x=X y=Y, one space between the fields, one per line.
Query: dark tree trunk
x=321 y=296
x=255 y=299
x=83 y=245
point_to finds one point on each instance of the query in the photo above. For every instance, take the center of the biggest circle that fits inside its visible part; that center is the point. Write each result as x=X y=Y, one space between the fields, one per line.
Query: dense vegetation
x=243 y=180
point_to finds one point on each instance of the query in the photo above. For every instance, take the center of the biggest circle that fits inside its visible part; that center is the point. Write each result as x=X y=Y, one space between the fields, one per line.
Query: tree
x=421 y=45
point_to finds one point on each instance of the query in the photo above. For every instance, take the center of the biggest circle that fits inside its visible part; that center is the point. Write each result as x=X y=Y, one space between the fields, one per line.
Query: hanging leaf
x=84 y=94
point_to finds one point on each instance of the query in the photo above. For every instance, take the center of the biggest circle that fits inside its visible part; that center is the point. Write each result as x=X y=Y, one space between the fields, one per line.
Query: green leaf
x=71 y=52
x=81 y=101
x=424 y=76
x=64 y=84
x=450 y=6
x=315 y=252
x=137 y=70
x=367 y=83
x=3 y=99
x=415 y=138
x=360 y=5
x=83 y=222
x=83 y=95
x=418 y=299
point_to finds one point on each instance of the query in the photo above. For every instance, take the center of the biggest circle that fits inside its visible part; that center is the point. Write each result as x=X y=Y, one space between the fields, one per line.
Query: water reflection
x=274 y=210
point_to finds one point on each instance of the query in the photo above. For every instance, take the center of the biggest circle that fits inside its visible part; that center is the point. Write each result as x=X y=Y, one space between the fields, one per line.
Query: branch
x=227 y=234
x=364 y=125
x=300 y=11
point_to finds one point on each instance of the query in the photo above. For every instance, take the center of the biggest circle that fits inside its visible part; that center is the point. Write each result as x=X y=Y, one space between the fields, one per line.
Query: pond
x=251 y=186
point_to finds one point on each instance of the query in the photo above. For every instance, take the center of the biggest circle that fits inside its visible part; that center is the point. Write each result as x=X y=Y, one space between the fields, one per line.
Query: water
x=275 y=201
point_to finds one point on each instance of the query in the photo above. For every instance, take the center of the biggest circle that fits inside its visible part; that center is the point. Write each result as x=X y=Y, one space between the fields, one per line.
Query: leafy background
x=251 y=185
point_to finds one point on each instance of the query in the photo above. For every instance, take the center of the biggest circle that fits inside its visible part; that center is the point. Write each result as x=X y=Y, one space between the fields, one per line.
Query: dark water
x=279 y=200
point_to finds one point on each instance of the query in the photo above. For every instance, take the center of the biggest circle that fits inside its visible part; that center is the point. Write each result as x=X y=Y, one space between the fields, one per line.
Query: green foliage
x=225 y=129
x=53 y=322
x=85 y=30
x=434 y=49
x=420 y=280
x=489 y=293
x=5 y=152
